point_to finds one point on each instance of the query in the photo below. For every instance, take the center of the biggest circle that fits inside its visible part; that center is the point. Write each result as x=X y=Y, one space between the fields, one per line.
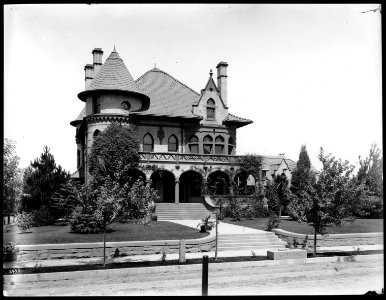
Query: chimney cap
x=222 y=63
x=97 y=50
x=88 y=66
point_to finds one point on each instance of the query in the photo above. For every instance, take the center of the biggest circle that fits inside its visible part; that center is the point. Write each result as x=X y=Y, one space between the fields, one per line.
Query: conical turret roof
x=113 y=76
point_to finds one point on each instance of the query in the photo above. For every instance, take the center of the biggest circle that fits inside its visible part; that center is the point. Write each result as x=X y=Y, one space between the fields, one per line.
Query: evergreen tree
x=370 y=176
x=41 y=180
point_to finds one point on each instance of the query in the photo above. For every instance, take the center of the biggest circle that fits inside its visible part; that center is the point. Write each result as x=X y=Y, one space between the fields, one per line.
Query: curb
x=19 y=278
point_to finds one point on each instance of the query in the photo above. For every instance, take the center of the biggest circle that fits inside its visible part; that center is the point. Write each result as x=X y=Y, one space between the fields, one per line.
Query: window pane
x=219 y=139
x=219 y=149
x=147 y=143
x=211 y=102
x=193 y=139
x=193 y=148
x=207 y=149
x=210 y=113
x=208 y=138
x=172 y=145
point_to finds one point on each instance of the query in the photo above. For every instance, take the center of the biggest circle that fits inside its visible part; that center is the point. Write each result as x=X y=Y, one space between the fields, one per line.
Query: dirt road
x=306 y=279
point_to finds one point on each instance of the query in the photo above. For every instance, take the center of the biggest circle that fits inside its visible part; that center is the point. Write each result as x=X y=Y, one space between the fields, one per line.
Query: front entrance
x=163 y=181
x=190 y=187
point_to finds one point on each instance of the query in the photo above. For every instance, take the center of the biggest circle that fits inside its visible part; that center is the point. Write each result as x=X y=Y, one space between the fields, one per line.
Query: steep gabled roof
x=291 y=164
x=168 y=96
x=113 y=76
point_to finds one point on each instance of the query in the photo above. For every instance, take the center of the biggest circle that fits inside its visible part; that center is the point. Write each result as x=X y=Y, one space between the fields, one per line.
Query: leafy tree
x=370 y=176
x=113 y=153
x=331 y=198
x=41 y=179
x=12 y=183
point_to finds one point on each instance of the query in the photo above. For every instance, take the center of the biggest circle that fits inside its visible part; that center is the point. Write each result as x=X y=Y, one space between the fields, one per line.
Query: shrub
x=273 y=222
x=42 y=217
x=24 y=221
x=83 y=221
x=10 y=247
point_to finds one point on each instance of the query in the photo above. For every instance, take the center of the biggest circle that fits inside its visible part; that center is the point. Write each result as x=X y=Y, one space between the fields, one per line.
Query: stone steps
x=258 y=240
x=181 y=211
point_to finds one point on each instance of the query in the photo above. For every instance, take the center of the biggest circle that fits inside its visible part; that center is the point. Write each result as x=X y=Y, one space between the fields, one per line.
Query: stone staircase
x=249 y=241
x=181 y=211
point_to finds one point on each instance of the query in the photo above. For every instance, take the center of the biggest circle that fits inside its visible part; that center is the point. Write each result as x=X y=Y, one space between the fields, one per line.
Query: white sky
x=305 y=74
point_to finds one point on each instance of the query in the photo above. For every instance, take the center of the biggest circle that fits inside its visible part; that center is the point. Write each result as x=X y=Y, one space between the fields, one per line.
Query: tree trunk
x=9 y=219
x=104 y=240
x=315 y=240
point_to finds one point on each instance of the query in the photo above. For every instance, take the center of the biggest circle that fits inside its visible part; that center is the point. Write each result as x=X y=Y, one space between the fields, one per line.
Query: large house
x=188 y=139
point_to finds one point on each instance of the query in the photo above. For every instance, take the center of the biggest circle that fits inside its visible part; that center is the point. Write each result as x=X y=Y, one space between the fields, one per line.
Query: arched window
x=148 y=143
x=172 y=144
x=219 y=145
x=96 y=133
x=210 y=109
x=193 y=144
x=231 y=145
x=208 y=144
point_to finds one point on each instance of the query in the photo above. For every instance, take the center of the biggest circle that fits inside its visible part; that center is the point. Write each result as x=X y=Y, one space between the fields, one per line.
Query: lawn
x=358 y=226
x=122 y=232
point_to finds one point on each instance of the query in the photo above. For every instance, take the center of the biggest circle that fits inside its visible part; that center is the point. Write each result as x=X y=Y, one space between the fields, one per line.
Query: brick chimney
x=222 y=80
x=97 y=59
x=89 y=75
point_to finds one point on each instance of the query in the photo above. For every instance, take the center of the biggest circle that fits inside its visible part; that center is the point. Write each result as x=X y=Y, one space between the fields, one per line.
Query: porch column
x=177 y=191
x=231 y=189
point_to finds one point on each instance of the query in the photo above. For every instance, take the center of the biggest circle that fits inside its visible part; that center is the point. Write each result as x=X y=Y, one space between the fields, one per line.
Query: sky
x=305 y=74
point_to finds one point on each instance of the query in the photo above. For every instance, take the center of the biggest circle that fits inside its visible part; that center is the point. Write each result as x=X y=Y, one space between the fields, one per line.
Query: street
x=304 y=279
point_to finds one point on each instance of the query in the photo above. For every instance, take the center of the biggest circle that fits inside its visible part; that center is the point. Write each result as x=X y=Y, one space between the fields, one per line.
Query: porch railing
x=187 y=157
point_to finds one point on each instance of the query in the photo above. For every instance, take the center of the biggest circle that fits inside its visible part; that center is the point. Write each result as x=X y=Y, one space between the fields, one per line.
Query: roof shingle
x=168 y=96
x=113 y=75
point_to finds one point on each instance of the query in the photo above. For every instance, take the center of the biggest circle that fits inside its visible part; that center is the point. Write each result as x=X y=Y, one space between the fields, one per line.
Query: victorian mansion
x=187 y=138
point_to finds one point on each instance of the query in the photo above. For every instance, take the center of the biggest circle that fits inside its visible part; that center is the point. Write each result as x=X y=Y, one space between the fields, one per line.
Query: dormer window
x=210 y=109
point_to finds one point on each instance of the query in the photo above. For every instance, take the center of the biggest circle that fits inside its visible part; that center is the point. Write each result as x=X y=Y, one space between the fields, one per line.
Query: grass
x=121 y=233
x=358 y=226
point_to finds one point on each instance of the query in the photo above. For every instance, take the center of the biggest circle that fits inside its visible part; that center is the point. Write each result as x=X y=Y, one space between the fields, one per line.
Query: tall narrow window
x=172 y=144
x=219 y=145
x=210 y=109
x=231 y=145
x=193 y=144
x=96 y=105
x=148 y=143
x=208 y=144
x=78 y=158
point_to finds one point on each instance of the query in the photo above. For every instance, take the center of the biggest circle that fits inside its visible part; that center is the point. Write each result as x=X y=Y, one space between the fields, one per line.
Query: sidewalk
x=223 y=228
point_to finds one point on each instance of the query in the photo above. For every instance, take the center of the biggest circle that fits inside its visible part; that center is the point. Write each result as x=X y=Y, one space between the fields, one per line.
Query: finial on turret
x=210 y=73
x=114 y=49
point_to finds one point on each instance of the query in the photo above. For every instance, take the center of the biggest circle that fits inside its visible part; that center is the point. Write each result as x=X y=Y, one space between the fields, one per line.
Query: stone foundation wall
x=73 y=251
x=349 y=239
